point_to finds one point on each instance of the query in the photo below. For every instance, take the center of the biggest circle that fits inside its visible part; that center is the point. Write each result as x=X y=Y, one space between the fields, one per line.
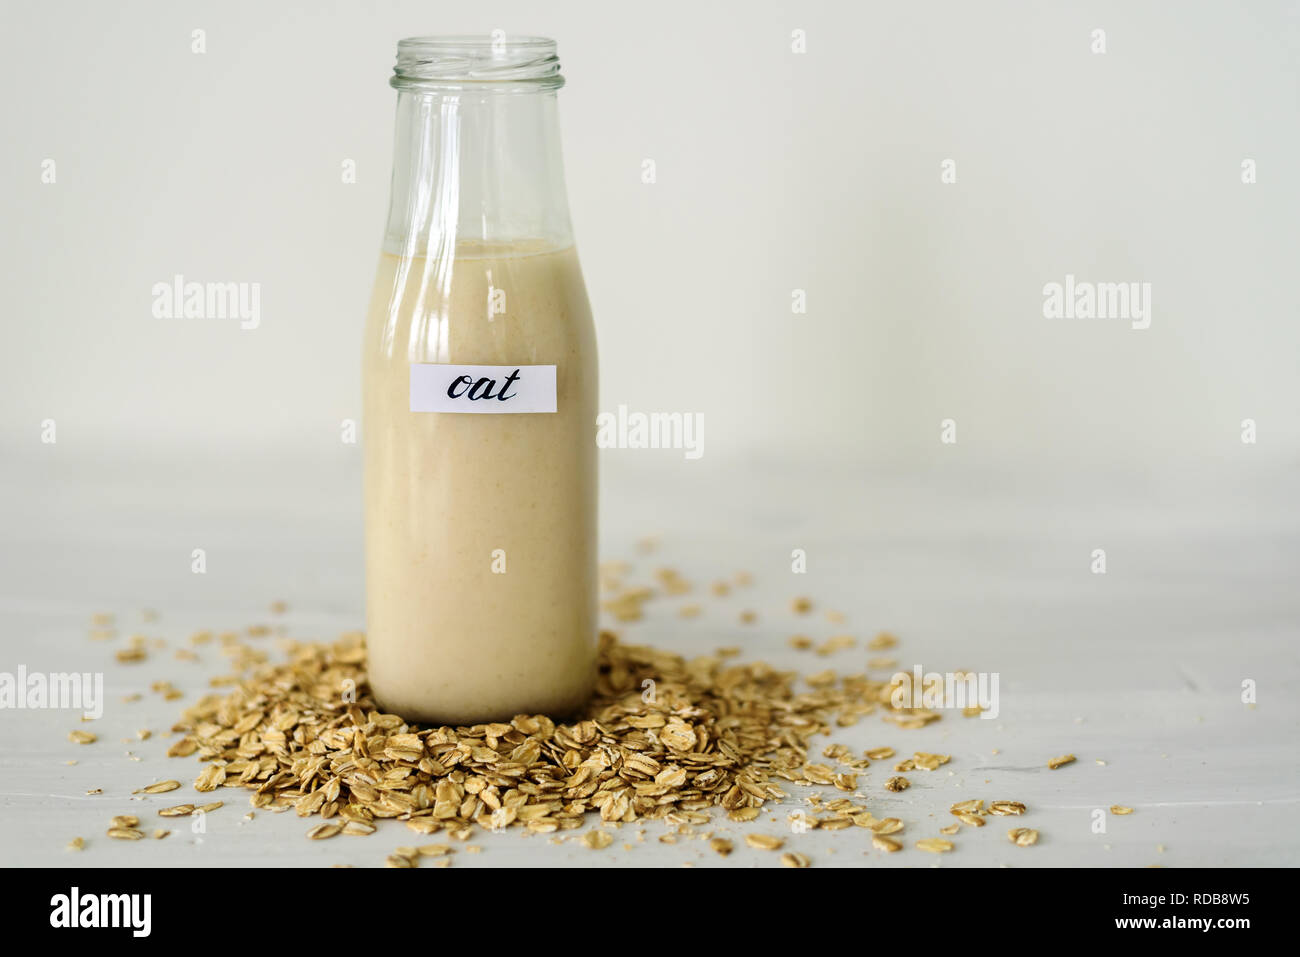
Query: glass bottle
x=479 y=381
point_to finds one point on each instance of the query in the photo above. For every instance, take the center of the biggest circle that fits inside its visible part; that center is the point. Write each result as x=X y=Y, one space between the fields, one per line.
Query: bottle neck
x=473 y=166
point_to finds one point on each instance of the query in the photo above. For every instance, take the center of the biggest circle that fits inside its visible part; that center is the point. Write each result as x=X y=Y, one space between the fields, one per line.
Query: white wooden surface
x=1140 y=668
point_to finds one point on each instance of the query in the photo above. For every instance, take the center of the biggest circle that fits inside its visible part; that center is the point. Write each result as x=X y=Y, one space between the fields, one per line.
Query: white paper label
x=436 y=387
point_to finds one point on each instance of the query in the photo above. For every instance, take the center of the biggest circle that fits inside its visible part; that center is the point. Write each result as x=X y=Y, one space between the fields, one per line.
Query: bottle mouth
x=494 y=63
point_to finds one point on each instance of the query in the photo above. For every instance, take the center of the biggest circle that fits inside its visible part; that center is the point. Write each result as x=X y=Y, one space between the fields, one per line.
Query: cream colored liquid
x=450 y=640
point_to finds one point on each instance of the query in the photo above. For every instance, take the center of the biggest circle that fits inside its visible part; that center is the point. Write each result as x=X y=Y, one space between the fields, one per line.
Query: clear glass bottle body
x=480 y=528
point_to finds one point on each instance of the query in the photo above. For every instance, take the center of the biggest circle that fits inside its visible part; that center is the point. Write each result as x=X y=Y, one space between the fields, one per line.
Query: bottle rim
x=496 y=63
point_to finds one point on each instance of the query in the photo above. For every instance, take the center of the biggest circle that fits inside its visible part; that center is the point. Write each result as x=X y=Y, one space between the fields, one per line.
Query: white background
x=776 y=171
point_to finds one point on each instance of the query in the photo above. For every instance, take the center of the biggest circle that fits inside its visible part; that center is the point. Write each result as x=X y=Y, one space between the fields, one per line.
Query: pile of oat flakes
x=664 y=739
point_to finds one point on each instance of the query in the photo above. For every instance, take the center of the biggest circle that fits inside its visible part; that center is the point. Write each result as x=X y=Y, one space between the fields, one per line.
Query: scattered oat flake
x=1120 y=809
x=162 y=787
x=1006 y=807
x=1023 y=836
x=818 y=773
x=322 y=831
x=790 y=859
x=835 y=643
x=159 y=833
x=1063 y=760
x=722 y=846
x=897 y=784
x=929 y=762
x=886 y=844
x=935 y=845
x=210 y=778
x=597 y=839
x=77 y=844
x=764 y=842
x=125 y=833
x=950 y=829
x=81 y=737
